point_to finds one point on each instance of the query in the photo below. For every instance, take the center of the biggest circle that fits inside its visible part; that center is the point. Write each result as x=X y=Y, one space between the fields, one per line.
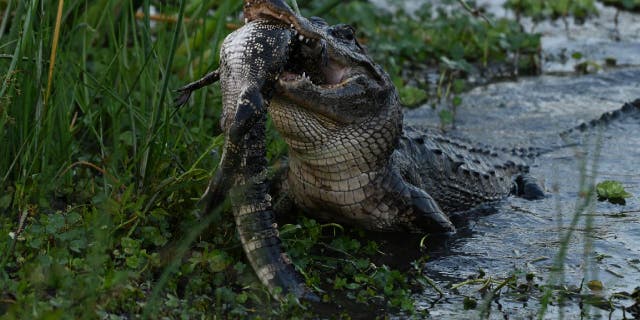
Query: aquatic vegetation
x=451 y=41
x=612 y=191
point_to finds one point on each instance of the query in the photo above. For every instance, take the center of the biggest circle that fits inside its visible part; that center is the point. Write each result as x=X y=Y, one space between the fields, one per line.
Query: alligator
x=350 y=159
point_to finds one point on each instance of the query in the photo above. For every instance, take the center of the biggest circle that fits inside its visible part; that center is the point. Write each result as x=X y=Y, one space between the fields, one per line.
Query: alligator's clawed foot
x=428 y=215
x=184 y=95
x=528 y=187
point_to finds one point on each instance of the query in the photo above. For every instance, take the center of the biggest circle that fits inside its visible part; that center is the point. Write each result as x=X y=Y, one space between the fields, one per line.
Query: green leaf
x=54 y=224
x=412 y=96
x=154 y=235
x=446 y=117
x=133 y=261
x=469 y=303
x=612 y=191
x=5 y=201
x=218 y=260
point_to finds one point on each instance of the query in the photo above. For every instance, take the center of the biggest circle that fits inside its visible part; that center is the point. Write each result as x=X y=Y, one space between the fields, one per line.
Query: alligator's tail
x=606 y=118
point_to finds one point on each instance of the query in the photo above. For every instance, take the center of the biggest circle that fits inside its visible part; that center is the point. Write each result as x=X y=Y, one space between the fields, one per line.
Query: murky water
x=524 y=236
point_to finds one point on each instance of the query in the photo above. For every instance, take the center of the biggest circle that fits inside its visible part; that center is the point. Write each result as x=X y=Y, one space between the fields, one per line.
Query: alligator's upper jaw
x=310 y=63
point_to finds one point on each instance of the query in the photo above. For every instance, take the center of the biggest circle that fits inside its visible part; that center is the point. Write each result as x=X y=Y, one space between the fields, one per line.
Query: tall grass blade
x=54 y=49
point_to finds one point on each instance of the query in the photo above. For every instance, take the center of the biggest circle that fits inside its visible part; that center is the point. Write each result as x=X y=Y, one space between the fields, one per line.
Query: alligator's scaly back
x=460 y=174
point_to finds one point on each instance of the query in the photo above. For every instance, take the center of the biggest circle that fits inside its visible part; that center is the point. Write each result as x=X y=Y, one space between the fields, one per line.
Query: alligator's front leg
x=418 y=211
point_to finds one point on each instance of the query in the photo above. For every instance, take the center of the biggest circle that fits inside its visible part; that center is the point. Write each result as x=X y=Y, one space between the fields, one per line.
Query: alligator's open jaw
x=309 y=63
x=331 y=75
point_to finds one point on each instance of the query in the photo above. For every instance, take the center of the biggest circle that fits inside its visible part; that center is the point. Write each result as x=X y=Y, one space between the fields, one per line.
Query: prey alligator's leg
x=185 y=92
x=242 y=174
x=255 y=221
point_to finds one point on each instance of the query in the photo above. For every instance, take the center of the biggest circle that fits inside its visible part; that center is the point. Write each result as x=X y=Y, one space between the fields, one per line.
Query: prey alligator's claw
x=185 y=91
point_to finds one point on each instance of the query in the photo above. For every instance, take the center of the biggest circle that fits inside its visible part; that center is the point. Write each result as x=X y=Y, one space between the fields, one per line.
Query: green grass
x=104 y=169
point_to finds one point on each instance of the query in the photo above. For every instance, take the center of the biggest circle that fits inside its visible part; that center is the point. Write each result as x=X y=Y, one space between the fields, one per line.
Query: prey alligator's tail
x=256 y=226
x=258 y=233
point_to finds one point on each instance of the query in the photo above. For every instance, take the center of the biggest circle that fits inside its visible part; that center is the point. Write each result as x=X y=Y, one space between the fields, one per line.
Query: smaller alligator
x=252 y=57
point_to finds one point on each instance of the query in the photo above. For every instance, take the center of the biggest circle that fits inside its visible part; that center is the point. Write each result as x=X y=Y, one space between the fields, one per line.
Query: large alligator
x=350 y=159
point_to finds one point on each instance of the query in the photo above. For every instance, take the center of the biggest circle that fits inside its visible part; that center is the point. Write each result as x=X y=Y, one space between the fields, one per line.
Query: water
x=524 y=236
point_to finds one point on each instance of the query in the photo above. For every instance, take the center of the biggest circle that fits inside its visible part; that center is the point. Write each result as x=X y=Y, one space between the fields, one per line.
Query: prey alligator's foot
x=185 y=92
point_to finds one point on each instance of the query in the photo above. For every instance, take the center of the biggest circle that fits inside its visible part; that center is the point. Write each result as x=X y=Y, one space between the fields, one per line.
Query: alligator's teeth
x=292 y=26
x=306 y=40
x=304 y=75
x=300 y=37
x=246 y=20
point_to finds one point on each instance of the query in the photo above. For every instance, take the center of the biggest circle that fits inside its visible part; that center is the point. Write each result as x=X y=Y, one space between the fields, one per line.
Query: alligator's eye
x=343 y=31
